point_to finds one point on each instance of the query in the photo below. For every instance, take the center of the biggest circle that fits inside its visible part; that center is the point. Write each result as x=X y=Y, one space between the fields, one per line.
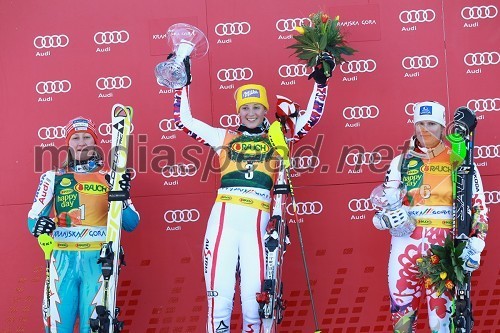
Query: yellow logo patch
x=436 y=168
x=251 y=148
x=91 y=188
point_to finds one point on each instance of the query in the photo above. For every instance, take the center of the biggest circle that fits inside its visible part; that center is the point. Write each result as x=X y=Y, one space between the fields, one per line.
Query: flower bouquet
x=443 y=268
x=322 y=36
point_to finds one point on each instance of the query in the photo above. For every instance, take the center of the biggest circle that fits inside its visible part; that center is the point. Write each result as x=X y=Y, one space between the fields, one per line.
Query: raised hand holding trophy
x=185 y=40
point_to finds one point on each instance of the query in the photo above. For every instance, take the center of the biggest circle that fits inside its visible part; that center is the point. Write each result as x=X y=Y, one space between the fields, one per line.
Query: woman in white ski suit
x=237 y=224
x=426 y=171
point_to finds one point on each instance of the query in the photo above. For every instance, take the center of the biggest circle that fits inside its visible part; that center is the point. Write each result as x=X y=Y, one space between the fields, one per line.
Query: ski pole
x=47 y=244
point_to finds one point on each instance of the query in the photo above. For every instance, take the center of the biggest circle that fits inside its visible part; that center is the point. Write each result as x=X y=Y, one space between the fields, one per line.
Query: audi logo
x=485 y=58
x=417 y=16
x=409 y=109
x=234 y=74
x=293 y=70
x=107 y=129
x=492 y=197
x=489 y=151
x=304 y=162
x=290 y=24
x=181 y=215
x=232 y=120
x=179 y=170
x=479 y=12
x=117 y=82
x=111 y=37
x=47 y=42
x=361 y=112
x=306 y=208
x=367 y=158
x=420 y=62
x=487 y=104
x=53 y=87
x=358 y=66
x=132 y=173
x=53 y=132
x=360 y=205
x=168 y=125
x=234 y=28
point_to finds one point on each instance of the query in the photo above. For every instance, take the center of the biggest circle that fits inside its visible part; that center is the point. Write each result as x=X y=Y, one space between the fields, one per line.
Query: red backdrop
x=61 y=59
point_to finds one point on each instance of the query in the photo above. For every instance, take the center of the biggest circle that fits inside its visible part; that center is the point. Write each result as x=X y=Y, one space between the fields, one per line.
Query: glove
x=44 y=225
x=471 y=254
x=389 y=219
x=187 y=67
x=124 y=183
x=319 y=74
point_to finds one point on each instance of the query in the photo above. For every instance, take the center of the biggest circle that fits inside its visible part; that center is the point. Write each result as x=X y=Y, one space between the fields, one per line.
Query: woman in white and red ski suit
x=237 y=223
x=426 y=171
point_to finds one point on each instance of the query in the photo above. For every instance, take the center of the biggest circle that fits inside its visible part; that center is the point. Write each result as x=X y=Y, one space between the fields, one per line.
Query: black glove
x=187 y=67
x=319 y=74
x=124 y=193
x=44 y=225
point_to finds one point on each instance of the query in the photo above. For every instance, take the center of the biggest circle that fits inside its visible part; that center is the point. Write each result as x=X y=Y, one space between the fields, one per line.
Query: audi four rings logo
x=234 y=28
x=117 y=82
x=107 y=128
x=485 y=58
x=306 y=208
x=293 y=70
x=304 y=162
x=409 y=108
x=490 y=151
x=111 y=37
x=290 y=24
x=181 y=215
x=417 y=62
x=231 y=120
x=367 y=158
x=47 y=42
x=53 y=87
x=492 y=197
x=361 y=112
x=52 y=132
x=358 y=66
x=168 y=125
x=487 y=104
x=234 y=74
x=360 y=205
x=132 y=172
x=417 y=16
x=179 y=170
x=479 y=12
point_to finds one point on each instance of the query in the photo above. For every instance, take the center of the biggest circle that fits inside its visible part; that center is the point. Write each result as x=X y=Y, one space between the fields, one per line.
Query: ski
x=462 y=143
x=270 y=299
x=279 y=143
x=112 y=256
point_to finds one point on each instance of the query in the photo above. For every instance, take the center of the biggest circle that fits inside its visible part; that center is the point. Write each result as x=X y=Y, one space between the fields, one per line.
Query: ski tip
x=120 y=110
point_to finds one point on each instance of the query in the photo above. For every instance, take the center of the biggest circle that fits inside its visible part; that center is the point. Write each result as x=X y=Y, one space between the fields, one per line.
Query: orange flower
x=428 y=283
x=434 y=259
x=419 y=260
x=449 y=284
x=324 y=18
x=300 y=30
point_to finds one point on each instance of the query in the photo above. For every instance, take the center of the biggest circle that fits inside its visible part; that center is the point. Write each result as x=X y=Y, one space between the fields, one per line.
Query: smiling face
x=81 y=146
x=252 y=114
x=428 y=133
